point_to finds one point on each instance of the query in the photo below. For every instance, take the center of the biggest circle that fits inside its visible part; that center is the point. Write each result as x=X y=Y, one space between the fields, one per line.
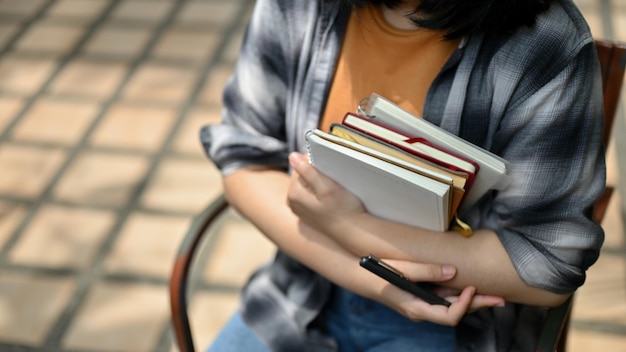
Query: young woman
x=517 y=77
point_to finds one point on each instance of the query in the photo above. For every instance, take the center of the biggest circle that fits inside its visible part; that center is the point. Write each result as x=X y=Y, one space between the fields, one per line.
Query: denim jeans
x=236 y=336
x=358 y=324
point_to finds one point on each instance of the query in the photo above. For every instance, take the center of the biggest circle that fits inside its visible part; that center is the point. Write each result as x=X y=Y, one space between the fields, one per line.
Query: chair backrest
x=179 y=279
x=612 y=57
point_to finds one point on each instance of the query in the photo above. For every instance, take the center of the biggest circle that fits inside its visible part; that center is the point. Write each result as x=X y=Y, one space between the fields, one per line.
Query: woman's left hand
x=318 y=200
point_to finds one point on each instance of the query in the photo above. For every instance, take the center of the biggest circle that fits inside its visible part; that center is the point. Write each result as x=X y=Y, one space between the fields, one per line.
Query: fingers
x=458 y=309
x=309 y=176
x=453 y=314
x=486 y=301
x=299 y=185
x=424 y=272
x=479 y=301
x=307 y=187
x=321 y=186
x=418 y=310
x=299 y=195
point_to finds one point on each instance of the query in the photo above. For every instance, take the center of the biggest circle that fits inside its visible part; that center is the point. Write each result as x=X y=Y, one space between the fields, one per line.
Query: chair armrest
x=182 y=266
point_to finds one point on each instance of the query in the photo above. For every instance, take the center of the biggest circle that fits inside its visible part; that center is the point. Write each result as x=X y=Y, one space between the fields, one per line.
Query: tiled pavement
x=101 y=171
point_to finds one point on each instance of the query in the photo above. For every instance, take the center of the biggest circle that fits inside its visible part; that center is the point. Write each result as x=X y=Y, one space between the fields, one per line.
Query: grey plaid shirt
x=533 y=97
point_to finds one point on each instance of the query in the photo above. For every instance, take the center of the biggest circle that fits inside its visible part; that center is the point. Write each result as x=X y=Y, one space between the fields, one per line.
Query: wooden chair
x=554 y=333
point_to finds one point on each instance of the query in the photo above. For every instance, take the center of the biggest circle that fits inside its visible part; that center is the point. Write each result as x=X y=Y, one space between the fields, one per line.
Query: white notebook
x=389 y=191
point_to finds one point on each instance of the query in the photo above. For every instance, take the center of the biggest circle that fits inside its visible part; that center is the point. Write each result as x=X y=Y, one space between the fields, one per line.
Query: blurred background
x=101 y=172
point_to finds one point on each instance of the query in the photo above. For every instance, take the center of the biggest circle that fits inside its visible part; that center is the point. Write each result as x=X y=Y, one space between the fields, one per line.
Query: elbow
x=539 y=297
x=552 y=300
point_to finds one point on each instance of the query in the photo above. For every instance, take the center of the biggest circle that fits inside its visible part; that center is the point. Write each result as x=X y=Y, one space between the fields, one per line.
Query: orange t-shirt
x=375 y=57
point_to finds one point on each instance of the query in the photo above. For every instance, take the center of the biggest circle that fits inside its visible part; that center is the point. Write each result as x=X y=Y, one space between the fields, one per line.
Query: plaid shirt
x=533 y=97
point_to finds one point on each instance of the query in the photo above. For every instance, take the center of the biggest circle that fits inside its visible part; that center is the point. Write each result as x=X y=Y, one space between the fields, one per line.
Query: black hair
x=458 y=18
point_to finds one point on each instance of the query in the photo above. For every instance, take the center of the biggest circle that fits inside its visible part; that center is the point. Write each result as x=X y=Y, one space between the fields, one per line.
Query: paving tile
x=618 y=5
x=619 y=17
x=187 y=141
x=182 y=185
x=11 y=215
x=208 y=314
x=57 y=121
x=7 y=31
x=134 y=127
x=63 y=237
x=602 y=297
x=588 y=6
x=102 y=179
x=50 y=38
x=77 y=9
x=119 y=317
x=83 y=77
x=147 y=245
x=21 y=8
x=594 y=20
x=27 y=170
x=142 y=10
x=214 y=84
x=195 y=46
x=591 y=12
x=231 y=52
x=219 y=13
x=237 y=252
x=160 y=83
x=30 y=305
x=587 y=341
x=112 y=41
x=23 y=75
x=9 y=107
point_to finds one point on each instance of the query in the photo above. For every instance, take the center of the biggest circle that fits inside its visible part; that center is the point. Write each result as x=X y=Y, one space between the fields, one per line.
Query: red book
x=418 y=147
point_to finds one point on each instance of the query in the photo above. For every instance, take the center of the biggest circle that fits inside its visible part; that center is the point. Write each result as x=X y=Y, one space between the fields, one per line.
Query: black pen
x=397 y=278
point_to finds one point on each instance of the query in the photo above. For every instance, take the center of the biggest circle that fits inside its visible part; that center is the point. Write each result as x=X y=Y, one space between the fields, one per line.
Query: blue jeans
x=358 y=324
x=237 y=336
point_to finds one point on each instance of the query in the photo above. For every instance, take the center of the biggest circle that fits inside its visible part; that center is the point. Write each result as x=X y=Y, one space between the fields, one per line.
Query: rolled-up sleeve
x=553 y=140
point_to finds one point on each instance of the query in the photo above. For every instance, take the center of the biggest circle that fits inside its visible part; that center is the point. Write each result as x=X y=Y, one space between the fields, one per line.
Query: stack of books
x=404 y=168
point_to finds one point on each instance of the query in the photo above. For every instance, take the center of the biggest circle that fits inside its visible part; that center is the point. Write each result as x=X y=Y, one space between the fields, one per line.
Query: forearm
x=481 y=260
x=260 y=195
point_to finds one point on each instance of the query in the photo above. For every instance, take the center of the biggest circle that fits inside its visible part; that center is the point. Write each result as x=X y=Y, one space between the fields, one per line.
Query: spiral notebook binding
x=364 y=107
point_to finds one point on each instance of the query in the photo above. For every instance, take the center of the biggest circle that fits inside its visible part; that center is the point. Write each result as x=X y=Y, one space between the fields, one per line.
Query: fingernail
x=295 y=158
x=448 y=271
